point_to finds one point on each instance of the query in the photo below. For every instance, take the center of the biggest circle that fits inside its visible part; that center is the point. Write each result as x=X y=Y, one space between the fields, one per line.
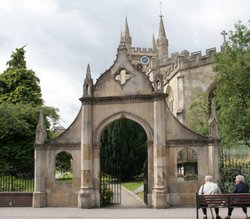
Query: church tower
x=162 y=41
x=126 y=38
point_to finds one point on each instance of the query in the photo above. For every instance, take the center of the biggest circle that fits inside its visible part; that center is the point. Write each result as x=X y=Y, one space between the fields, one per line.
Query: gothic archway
x=128 y=159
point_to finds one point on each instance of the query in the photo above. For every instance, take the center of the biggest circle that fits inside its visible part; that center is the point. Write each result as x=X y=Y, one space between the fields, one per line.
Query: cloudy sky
x=63 y=36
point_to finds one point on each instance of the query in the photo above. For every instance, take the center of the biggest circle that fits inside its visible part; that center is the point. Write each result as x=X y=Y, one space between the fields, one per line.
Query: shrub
x=106 y=196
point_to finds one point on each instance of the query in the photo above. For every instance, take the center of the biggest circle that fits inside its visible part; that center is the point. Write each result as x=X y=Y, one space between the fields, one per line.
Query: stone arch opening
x=135 y=144
x=63 y=167
x=142 y=122
x=187 y=164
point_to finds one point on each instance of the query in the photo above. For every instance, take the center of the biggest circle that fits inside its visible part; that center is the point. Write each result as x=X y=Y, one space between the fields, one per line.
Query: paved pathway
x=104 y=213
x=130 y=200
x=130 y=208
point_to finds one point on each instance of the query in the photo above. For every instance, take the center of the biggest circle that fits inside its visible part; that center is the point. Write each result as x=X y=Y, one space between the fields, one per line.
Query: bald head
x=208 y=178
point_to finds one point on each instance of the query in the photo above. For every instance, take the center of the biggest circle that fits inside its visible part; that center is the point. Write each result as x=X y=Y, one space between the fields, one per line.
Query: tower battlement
x=143 y=51
x=186 y=60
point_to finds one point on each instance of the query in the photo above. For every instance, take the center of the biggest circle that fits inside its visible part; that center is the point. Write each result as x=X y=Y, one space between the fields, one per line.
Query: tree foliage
x=124 y=142
x=17 y=60
x=197 y=117
x=19 y=84
x=17 y=133
x=20 y=104
x=232 y=95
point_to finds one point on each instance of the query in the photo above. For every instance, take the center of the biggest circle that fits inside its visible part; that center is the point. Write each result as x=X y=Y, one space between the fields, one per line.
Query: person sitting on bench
x=209 y=188
x=240 y=187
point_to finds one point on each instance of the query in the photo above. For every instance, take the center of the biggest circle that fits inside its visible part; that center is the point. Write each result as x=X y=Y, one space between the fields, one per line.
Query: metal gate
x=110 y=184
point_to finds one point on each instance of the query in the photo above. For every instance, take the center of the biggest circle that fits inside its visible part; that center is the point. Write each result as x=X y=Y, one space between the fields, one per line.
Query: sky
x=63 y=36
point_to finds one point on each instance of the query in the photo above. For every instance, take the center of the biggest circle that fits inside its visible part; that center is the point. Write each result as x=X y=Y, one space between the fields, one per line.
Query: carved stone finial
x=213 y=122
x=41 y=130
x=88 y=83
x=157 y=77
x=158 y=82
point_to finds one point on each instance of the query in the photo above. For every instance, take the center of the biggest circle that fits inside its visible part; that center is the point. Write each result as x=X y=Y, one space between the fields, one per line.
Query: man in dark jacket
x=240 y=187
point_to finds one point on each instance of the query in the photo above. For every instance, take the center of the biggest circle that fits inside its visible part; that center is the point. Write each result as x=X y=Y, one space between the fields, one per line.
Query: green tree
x=232 y=96
x=17 y=59
x=19 y=84
x=198 y=115
x=17 y=133
x=20 y=104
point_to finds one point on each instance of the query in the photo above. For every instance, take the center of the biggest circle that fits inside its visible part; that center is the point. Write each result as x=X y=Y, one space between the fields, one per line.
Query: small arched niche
x=63 y=167
x=187 y=165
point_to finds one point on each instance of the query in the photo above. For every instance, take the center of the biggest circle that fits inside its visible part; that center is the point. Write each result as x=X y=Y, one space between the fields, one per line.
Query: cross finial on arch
x=224 y=34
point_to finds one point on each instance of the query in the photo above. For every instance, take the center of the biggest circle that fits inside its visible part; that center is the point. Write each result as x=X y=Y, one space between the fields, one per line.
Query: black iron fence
x=229 y=168
x=16 y=181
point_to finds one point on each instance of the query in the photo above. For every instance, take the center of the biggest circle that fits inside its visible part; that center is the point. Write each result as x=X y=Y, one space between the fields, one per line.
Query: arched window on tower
x=63 y=167
x=187 y=166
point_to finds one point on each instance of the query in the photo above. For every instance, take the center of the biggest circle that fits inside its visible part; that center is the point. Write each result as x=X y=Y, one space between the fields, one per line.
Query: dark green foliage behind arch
x=124 y=142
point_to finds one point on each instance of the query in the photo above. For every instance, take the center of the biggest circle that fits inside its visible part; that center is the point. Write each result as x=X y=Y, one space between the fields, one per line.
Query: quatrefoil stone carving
x=123 y=77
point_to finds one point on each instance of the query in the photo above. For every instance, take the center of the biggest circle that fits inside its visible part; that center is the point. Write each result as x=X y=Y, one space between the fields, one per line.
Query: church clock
x=144 y=60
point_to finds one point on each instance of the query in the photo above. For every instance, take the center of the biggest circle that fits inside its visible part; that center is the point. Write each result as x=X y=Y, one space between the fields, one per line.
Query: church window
x=187 y=164
x=63 y=168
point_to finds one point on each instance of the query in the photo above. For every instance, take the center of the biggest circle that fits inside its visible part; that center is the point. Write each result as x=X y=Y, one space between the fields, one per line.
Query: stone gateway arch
x=121 y=92
x=178 y=159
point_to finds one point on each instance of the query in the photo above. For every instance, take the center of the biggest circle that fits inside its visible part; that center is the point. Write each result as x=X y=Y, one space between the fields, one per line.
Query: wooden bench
x=235 y=200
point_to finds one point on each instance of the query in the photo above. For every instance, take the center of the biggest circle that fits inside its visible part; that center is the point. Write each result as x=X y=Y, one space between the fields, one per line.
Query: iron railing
x=16 y=181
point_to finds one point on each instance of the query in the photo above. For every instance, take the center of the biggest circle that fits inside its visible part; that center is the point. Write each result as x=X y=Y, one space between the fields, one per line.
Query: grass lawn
x=63 y=176
x=131 y=186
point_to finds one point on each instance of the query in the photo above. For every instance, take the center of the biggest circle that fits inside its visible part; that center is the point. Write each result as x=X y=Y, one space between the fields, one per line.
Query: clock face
x=144 y=60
